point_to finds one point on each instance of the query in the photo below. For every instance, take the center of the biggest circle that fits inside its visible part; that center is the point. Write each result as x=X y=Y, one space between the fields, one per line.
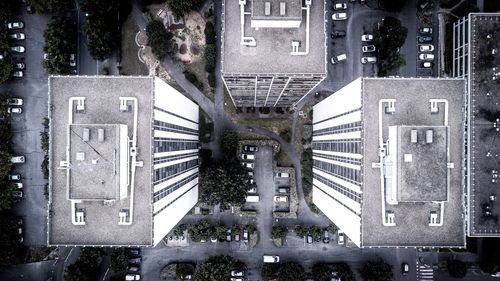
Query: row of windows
x=339 y=158
x=160 y=160
x=166 y=145
x=348 y=174
x=169 y=189
x=347 y=146
x=343 y=190
x=165 y=173
x=173 y=201
x=344 y=128
x=164 y=126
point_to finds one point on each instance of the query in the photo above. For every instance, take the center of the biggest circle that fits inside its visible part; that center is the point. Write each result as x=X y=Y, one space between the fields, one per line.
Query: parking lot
x=26 y=128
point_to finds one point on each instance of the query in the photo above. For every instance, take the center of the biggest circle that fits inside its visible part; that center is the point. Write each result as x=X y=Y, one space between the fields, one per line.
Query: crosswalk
x=424 y=272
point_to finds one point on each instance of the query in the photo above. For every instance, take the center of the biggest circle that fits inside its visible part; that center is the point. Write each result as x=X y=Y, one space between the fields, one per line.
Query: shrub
x=209 y=33
x=183 y=49
x=211 y=79
x=286 y=134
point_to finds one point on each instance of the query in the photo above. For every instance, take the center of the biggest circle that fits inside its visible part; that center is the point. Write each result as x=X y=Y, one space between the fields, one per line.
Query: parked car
x=250 y=174
x=46 y=56
x=424 y=39
x=282 y=175
x=280 y=198
x=17 y=49
x=339 y=58
x=16 y=110
x=366 y=37
x=248 y=165
x=15 y=25
x=368 y=48
x=339 y=16
x=368 y=60
x=228 y=235
x=250 y=148
x=18 y=74
x=18 y=194
x=283 y=190
x=426 y=48
x=340 y=235
x=309 y=238
x=72 y=60
x=340 y=6
x=426 y=57
x=427 y=64
x=17 y=159
x=17 y=36
x=14 y=177
x=134 y=252
x=237 y=279
x=251 y=181
x=425 y=30
x=405 y=268
x=132 y=277
x=135 y=261
x=18 y=185
x=133 y=269
x=237 y=237
x=237 y=273
x=271 y=259
x=245 y=235
x=338 y=34
x=252 y=190
x=20 y=65
x=326 y=237
x=247 y=156
x=335 y=276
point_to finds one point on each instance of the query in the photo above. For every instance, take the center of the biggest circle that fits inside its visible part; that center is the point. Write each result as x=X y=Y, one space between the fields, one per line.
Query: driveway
x=26 y=128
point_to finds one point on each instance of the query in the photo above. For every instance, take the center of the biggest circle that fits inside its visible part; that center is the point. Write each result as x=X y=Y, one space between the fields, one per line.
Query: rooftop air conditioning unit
x=80 y=217
x=308 y=2
x=86 y=134
x=433 y=219
x=123 y=105
x=123 y=216
x=80 y=105
x=390 y=219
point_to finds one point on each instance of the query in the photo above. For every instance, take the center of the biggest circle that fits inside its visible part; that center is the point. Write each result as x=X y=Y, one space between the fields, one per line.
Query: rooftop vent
x=123 y=216
x=433 y=220
x=123 y=105
x=267 y=8
x=428 y=136
x=100 y=135
x=434 y=107
x=282 y=8
x=80 y=156
x=390 y=219
x=408 y=157
x=86 y=134
x=414 y=136
x=80 y=217
x=295 y=46
x=80 y=105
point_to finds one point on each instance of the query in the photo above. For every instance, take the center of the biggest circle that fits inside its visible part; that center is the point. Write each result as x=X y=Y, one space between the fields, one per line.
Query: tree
x=279 y=232
x=322 y=272
x=229 y=142
x=199 y=231
x=209 y=33
x=209 y=55
x=85 y=268
x=179 y=230
x=292 y=271
x=315 y=232
x=388 y=38
x=376 y=271
x=333 y=228
x=101 y=26
x=119 y=261
x=301 y=231
x=184 y=269
x=158 y=39
x=5 y=164
x=60 y=42
x=182 y=7
x=269 y=271
x=50 y=6
x=457 y=269
x=215 y=268
x=225 y=183
x=8 y=9
x=7 y=198
x=393 y=5
x=6 y=63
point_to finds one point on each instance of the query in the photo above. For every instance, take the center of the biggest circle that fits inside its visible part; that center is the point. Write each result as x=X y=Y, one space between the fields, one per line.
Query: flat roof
x=423 y=174
x=94 y=175
x=292 y=9
x=484 y=92
x=274 y=45
x=412 y=105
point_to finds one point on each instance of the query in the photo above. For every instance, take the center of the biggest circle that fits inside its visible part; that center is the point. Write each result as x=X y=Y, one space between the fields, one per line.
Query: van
x=252 y=198
x=271 y=259
x=339 y=58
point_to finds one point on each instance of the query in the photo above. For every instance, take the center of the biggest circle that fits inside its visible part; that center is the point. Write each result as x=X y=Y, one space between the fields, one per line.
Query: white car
x=368 y=49
x=17 y=49
x=426 y=48
x=368 y=60
x=282 y=175
x=426 y=57
x=20 y=65
x=281 y=198
x=427 y=64
x=366 y=37
x=235 y=273
x=271 y=259
x=15 y=25
x=17 y=36
x=339 y=58
x=252 y=190
x=18 y=74
x=19 y=184
x=340 y=235
x=340 y=6
x=17 y=110
x=339 y=16
x=248 y=165
x=15 y=101
x=17 y=159
x=247 y=156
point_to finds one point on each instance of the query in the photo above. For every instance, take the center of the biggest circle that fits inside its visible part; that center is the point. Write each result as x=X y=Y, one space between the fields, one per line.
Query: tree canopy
x=50 y=6
x=376 y=271
x=6 y=63
x=393 y=5
x=182 y=7
x=60 y=42
x=229 y=143
x=159 y=39
x=323 y=272
x=292 y=271
x=279 y=232
x=388 y=38
x=225 y=183
x=85 y=268
x=457 y=269
x=215 y=268
x=8 y=9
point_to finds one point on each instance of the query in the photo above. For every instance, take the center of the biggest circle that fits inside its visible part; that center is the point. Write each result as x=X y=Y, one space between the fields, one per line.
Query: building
x=273 y=51
x=476 y=57
x=123 y=160
x=388 y=161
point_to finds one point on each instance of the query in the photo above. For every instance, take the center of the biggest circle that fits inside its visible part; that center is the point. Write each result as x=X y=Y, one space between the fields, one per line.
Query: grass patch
x=130 y=64
x=228 y=103
x=283 y=160
x=197 y=68
x=251 y=136
x=276 y=125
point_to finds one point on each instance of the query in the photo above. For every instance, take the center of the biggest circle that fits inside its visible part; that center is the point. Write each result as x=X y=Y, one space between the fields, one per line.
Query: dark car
x=135 y=261
x=338 y=34
x=405 y=268
x=424 y=39
x=134 y=252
